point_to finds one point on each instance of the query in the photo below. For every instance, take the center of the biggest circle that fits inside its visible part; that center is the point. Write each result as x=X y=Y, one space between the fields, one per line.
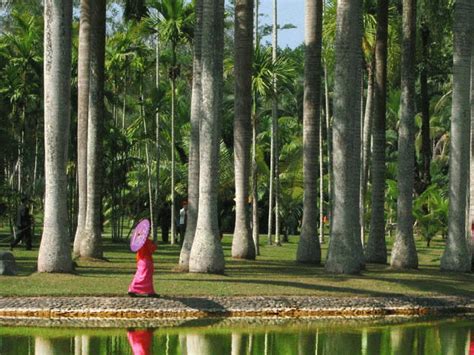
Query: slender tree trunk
x=55 y=252
x=83 y=79
x=276 y=177
x=91 y=243
x=404 y=250
x=329 y=145
x=271 y=193
x=255 y=226
x=457 y=256
x=321 y=175
x=309 y=249
x=471 y=187
x=193 y=163
x=345 y=253
x=173 y=158
x=242 y=243
x=366 y=142
x=376 y=251
x=151 y=206
x=207 y=255
x=157 y=142
x=425 y=111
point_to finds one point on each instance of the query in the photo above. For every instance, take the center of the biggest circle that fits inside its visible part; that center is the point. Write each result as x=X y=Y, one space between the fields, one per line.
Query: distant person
x=24 y=222
x=183 y=214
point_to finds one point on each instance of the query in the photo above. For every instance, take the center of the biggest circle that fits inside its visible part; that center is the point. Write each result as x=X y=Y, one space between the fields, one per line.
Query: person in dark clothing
x=23 y=225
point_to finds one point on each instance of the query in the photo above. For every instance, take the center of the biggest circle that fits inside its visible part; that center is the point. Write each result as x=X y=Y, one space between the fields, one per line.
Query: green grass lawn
x=274 y=273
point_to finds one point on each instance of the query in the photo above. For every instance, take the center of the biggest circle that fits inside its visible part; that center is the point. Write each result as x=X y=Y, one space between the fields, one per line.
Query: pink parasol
x=140 y=235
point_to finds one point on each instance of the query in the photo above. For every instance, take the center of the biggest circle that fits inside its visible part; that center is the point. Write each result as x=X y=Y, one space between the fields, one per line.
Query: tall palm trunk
x=207 y=255
x=329 y=143
x=83 y=78
x=345 y=249
x=242 y=243
x=91 y=243
x=425 y=110
x=255 y=223
x=55 y=252
x=472 y=160
x=273 y=129
x=173 y=159
x=309 y=249
x=366 y=141
x=157 y=142
x=376 y=251
x=457 y=256
x=193 y=163
x=404 y=250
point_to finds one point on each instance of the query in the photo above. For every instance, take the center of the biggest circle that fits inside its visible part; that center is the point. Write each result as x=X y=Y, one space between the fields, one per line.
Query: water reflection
x=440 y=337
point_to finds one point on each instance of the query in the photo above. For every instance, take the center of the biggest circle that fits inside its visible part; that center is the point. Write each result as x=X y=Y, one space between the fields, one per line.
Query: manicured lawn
x=274 y=273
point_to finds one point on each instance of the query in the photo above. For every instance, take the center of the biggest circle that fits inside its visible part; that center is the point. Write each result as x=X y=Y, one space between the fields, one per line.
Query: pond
x=249 y=336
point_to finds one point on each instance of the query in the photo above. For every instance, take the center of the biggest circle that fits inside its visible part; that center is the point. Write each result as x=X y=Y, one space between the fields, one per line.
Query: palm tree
x=55 y=252
x=207 y=255
x=175 y=24
x=404 y=250
x=83 y=78
x=472 y=160
x=193 y=161
x=91 y=243
x=309 y=249
x=345 y=249
x=457 y=256
x=376 y=251
x=243 y=246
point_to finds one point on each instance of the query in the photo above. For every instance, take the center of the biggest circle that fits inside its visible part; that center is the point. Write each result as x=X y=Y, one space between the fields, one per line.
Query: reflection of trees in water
x=437 y=338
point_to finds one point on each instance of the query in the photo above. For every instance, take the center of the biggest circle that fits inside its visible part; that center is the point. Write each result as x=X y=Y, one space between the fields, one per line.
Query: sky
x=289 y=12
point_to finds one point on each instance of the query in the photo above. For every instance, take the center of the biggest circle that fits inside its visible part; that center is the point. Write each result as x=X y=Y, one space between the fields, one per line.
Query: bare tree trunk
x=83 y=80
x=173 y=158
x=255 y=227
x=242 y=243
x=309 y=249
x=321 y=176
x=376 y=251
x=193 y=163
x=457 y=256
x=404 y=250
x=55 y=252
x=471 y=187
x=207 y=255
x=91 y=243
x=345 y=253
x=425 y=111
x=329 y=146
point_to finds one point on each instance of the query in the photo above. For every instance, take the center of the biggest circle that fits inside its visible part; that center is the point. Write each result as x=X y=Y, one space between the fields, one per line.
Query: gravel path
x=200 y=307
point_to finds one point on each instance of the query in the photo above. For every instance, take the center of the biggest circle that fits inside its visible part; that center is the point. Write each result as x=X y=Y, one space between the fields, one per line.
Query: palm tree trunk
x=366 y=141
x=425 y=111
x=404 y=250
x=376 y=251
x=157 y=142
x=151 y=207
x=255 y=227
x=55 y=252
x=83 y=79
x=472 y=161
x=309 y=249
x=321 y=175
x=193 y=163
x=91 y=243
x=457 y=256
x=329 y=144
x=242 y=243
x=207 y=255
x=173 y=159
x=345 y=253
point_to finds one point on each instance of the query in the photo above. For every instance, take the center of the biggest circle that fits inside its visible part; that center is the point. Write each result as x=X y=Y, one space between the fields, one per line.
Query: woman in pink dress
x=142 y=283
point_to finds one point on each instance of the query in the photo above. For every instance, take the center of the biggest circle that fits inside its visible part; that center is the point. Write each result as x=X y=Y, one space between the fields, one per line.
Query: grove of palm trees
x=352 y=151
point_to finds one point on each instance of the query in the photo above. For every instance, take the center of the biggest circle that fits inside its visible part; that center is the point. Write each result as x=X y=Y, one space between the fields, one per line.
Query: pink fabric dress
x=142 y=282
x=140 y=341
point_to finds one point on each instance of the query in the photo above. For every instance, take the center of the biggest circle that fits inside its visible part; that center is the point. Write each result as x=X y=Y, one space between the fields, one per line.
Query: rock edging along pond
x=202 y=307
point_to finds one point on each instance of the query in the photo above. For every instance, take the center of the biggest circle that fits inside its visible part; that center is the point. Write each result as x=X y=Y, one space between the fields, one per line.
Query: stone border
x=168 y=308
